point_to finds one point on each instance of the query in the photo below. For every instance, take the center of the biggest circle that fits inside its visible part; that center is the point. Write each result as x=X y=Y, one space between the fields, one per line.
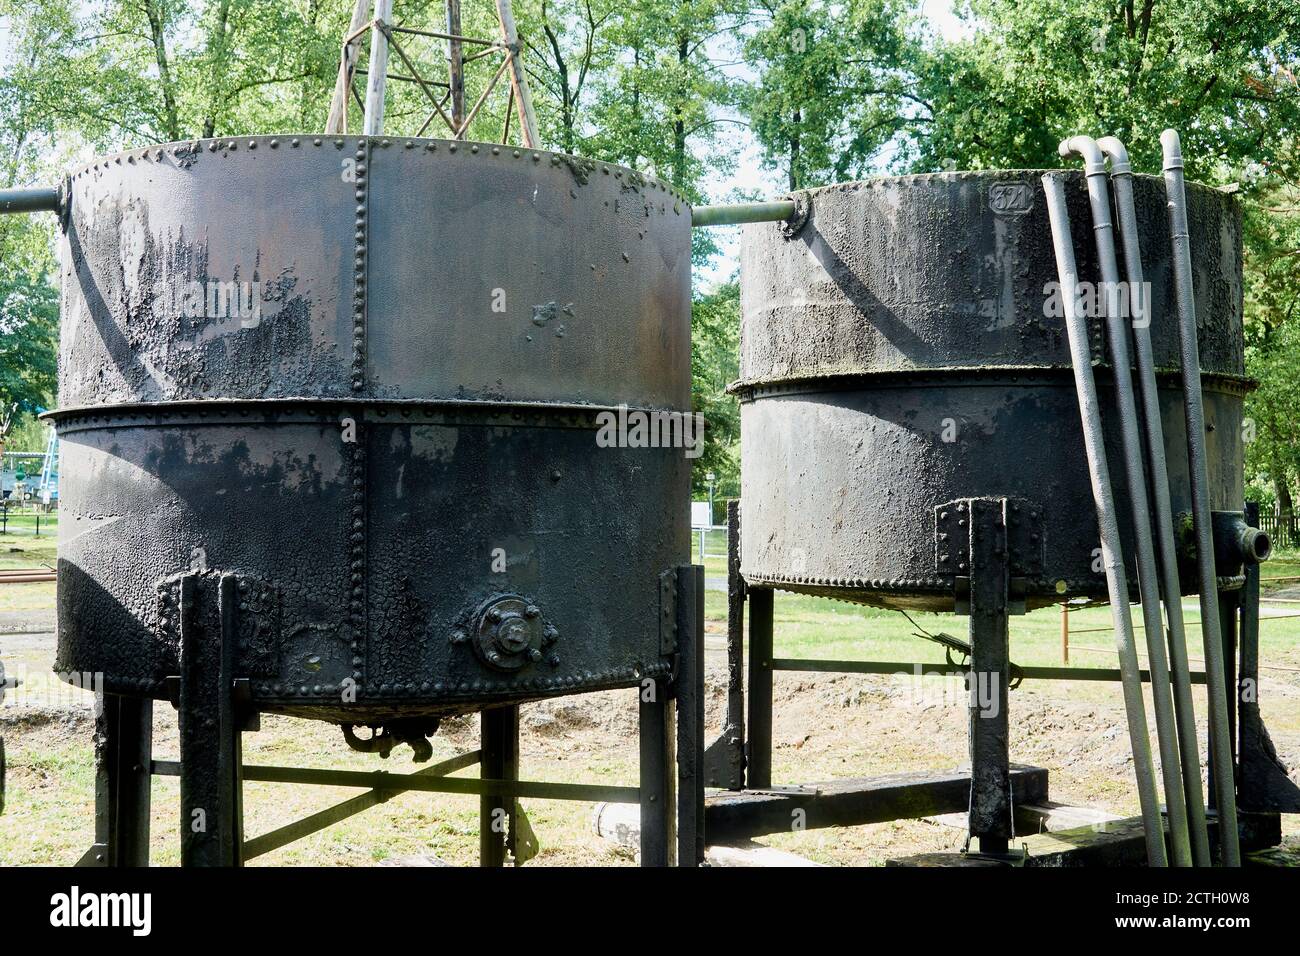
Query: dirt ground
x=827 y=726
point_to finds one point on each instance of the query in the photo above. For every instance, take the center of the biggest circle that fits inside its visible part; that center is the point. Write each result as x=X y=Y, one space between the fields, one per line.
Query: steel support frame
x=123 y=752
x=1263 y=784
x=991 y=815
x=988 y=602
x=212 y=772
x=1264 y=787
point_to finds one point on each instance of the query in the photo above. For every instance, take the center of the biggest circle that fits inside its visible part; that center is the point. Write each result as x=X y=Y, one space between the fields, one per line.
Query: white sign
x=700 y=517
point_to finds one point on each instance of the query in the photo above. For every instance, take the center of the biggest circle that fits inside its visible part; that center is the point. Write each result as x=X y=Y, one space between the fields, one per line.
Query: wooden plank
x=730 y=817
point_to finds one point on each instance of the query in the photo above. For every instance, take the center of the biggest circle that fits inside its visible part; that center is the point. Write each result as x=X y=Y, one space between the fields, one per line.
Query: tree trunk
x=797 y=120
x=217 y=57
x=156 y=28
x=679 y=121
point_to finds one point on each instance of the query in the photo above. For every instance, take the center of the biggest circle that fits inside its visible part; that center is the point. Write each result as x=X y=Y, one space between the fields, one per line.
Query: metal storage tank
x=899 y=354
x=363 y=377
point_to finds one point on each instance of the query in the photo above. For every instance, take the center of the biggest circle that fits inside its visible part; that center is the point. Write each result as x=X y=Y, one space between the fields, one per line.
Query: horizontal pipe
x=29 y=200
x=904 y=669
x=738 y=213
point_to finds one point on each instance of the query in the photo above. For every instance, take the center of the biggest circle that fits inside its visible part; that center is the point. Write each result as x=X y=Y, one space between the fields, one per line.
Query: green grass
x=26 y=551
x=809 y=627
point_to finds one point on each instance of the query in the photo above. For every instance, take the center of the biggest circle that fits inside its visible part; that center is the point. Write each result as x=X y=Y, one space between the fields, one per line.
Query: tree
x=715 y=363
x=833 y=86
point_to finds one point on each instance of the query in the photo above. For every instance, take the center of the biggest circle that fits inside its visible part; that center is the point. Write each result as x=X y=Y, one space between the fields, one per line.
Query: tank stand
x=123 y=749
x=990 y=814
x=211 y=785
x=215 y=709
x=741 y=758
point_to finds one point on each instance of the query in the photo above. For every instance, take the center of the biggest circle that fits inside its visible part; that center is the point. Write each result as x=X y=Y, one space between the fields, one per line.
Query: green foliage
x=833 y=86
x=1036 y=71
x=715 y=338
x=28 y=344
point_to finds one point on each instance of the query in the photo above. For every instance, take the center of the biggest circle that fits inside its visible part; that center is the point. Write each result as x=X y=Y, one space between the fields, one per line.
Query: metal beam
x=282 y=836
x=844 y=803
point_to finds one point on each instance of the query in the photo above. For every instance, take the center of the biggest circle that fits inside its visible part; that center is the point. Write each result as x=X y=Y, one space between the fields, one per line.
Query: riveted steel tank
x=365 y=377
x=901 y=349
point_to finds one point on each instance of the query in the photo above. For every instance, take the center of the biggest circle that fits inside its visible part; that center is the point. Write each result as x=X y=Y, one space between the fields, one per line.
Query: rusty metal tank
x=365 y=377
x=899 y=351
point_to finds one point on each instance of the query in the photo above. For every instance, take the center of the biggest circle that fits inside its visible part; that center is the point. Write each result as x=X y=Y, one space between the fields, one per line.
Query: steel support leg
x=1263 y=783
x=123 y=749
x=211 y=758
x=758 y=770
x=657 y=759
x=990 y=805
x=497 y=814
x=1229 y=608
x=724 y=760
x=689 y=693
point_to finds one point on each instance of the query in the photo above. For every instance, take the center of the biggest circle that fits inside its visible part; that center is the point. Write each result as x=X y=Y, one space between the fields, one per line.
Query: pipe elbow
x=1172 y=147
x=1114 y=147
x=1085 y=146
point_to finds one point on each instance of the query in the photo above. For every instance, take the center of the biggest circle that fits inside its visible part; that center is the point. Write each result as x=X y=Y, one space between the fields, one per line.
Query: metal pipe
x=29 y=200
x=1117 y=329
x=738 y=213
x=1108 y=525
x=1194 y=412
x=1121 y=178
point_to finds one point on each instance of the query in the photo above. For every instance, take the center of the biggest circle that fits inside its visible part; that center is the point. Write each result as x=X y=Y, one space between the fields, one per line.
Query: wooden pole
x=455 y=65
x=338 y=118
x=1065 y=633
x=378 y=70
x=518 y=81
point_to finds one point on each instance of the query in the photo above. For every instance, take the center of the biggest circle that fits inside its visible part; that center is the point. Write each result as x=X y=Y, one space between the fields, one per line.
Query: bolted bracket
x=1024 y=523
x=508 y=632
x=668 y=612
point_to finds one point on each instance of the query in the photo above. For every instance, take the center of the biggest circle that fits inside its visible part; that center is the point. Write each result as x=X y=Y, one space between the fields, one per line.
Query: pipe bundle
x=1155 y=555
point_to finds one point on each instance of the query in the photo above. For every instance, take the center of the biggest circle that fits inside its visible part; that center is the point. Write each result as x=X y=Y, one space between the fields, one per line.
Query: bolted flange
x=509 y=632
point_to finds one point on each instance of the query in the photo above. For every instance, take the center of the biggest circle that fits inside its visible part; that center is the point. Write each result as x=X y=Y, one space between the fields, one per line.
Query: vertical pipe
x=1117 y=327
x=1194 y=412
x=1103 y=499
x=989 y=819
x=1184 y=709
x=758 y=770
x=378 y=70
